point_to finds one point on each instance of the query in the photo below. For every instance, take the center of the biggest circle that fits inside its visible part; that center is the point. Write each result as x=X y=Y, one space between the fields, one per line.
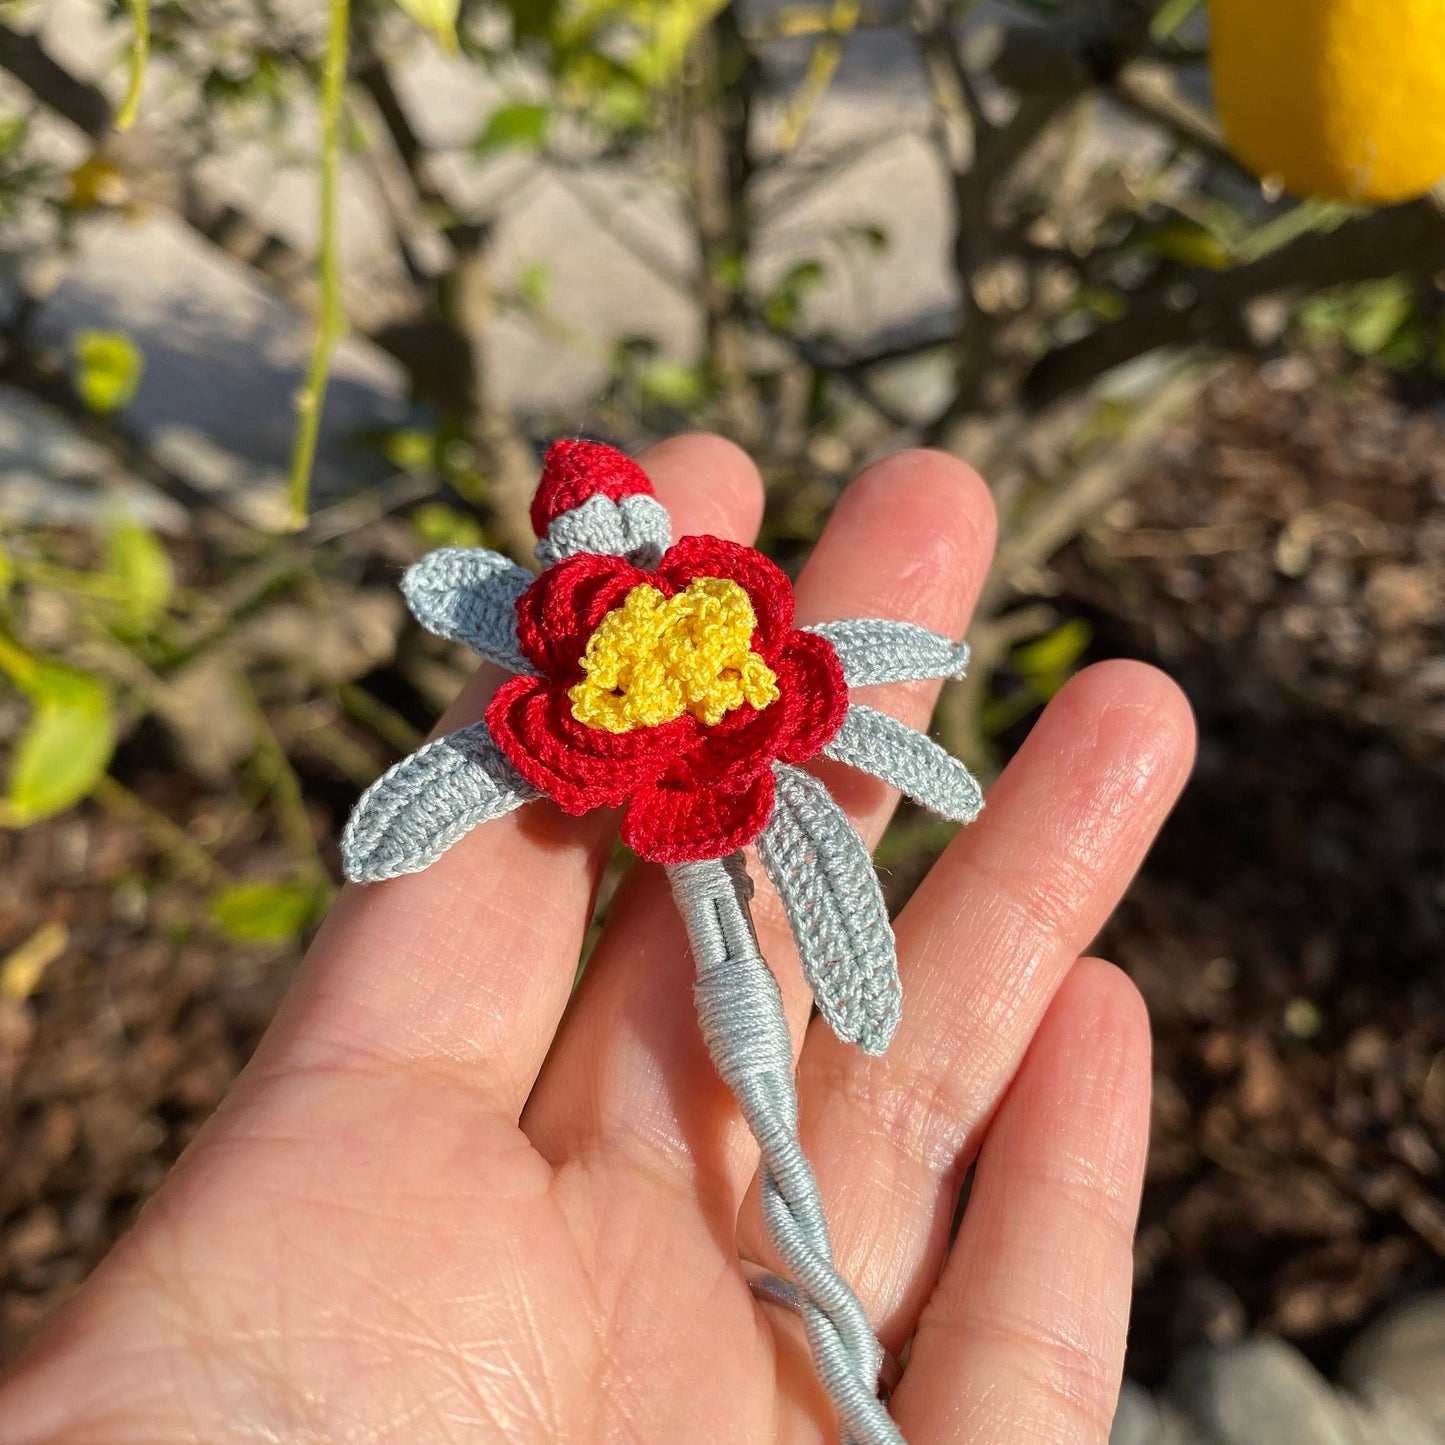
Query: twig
x=1384 y=243
x=290 y=798
x=1100 y=481
x=172 y=839
x=719 y=159
x=822 y=66
x=140 y=14
x=80 y=102
x=331 y=321
x=385 y=722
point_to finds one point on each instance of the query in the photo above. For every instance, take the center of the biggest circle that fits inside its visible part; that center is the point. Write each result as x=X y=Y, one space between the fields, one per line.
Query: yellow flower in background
x=1343 y=99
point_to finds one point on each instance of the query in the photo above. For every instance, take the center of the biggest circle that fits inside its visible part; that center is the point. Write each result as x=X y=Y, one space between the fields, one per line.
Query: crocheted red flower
x=694 y=786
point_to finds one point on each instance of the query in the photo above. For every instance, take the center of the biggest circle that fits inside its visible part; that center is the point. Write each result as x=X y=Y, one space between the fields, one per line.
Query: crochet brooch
x=667 y=679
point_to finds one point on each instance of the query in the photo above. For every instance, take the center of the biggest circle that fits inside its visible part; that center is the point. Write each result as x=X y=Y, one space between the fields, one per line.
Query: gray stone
x=1402 y=1356
x=1142 y=1420
x=1259 y=1392
x=1393 y=1420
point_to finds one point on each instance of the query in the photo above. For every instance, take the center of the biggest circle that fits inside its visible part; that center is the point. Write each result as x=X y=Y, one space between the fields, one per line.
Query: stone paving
x=1264 y=1392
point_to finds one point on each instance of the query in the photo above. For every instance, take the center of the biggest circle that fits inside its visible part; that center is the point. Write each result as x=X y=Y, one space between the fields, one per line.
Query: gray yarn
x=469 y=594
x=900 y=755
x=741 y=1014
x=635 y=527
x=829 y=887
x=414 y=812
x=874 y=650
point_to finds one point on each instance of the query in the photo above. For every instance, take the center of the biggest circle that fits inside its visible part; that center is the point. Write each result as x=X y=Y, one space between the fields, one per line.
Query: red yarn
x=578 y=767
x=561 y=609
x=692 y=791
x=573 y=471
x=677 y=825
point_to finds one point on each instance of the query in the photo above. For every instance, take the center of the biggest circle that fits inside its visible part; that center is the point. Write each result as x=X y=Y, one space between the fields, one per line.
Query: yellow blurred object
x=23 y=967
x=1337 y=98
x=95 y=182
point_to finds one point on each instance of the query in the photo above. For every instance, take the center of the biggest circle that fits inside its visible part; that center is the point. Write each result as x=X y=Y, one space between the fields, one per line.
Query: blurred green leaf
x=65 y=748
x=7 y=573
x=669 y=27
x=780 y=306
x=438 y=16
x=1048 y=662
x=1170 y=15
x=23 y=969
x=108 y=369
x=730 y=271
x=871 y=238
x=1372 y=319
x=142 y=567
x=1188 y=243
x=534 y=284
x=438 y=525
x=263 y=912
x=1379 y=312
x=674 y=384
x=1099 y=301
x=13 y=130
x=523 y=125
x=410 y=449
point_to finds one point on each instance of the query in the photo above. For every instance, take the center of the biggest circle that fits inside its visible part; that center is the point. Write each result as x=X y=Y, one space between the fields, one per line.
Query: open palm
x=446 y=1204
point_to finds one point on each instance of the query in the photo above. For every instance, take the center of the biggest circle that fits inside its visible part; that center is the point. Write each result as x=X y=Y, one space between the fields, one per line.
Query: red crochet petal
x=669 y=824
x=578 y=767
x=573 y=471
x=809 y=672
x=765 y=582
x=561 y=609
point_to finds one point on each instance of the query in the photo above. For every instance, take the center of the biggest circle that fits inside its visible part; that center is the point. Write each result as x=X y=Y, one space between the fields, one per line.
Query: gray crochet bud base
x=807 y=847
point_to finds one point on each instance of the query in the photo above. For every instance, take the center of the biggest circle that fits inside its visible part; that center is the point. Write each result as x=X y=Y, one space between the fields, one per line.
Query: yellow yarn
x=655 y=658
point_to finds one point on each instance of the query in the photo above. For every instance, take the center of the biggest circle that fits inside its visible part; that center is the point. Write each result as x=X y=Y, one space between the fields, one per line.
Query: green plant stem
x=385 y=722
x=842 y=21
x=139 y=52
x=286 y=789
x=331 y=321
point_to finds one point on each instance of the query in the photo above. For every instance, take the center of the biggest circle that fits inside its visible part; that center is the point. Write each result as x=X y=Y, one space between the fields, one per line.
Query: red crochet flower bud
x=576 y=470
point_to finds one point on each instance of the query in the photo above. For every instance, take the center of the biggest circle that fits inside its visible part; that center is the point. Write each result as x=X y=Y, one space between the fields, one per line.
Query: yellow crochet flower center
x=655 y=658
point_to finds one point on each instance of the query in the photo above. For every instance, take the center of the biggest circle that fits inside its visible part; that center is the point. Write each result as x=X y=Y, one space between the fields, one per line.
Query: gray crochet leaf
x=823 y=874
x=902 y=756
x=413 y=813
x=873 y=650
x=635 y=527
x=469 y=594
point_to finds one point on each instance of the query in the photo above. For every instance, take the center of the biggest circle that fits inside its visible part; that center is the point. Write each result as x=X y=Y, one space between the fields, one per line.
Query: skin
x=442 y=1204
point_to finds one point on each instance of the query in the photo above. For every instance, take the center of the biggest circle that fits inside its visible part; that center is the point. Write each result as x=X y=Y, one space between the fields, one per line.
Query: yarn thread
x=740 y=1011
x=874 y=650
x=829 y=888
x=875 y=743
x=655 y=658
x=692 y=787
x=412 y=814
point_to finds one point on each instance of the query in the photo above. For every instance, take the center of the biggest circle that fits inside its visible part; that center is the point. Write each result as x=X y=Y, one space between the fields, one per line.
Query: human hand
x=445 y=1204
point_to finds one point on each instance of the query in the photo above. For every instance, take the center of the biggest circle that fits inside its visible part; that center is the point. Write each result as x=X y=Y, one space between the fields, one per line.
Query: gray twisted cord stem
x=741 y=1014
